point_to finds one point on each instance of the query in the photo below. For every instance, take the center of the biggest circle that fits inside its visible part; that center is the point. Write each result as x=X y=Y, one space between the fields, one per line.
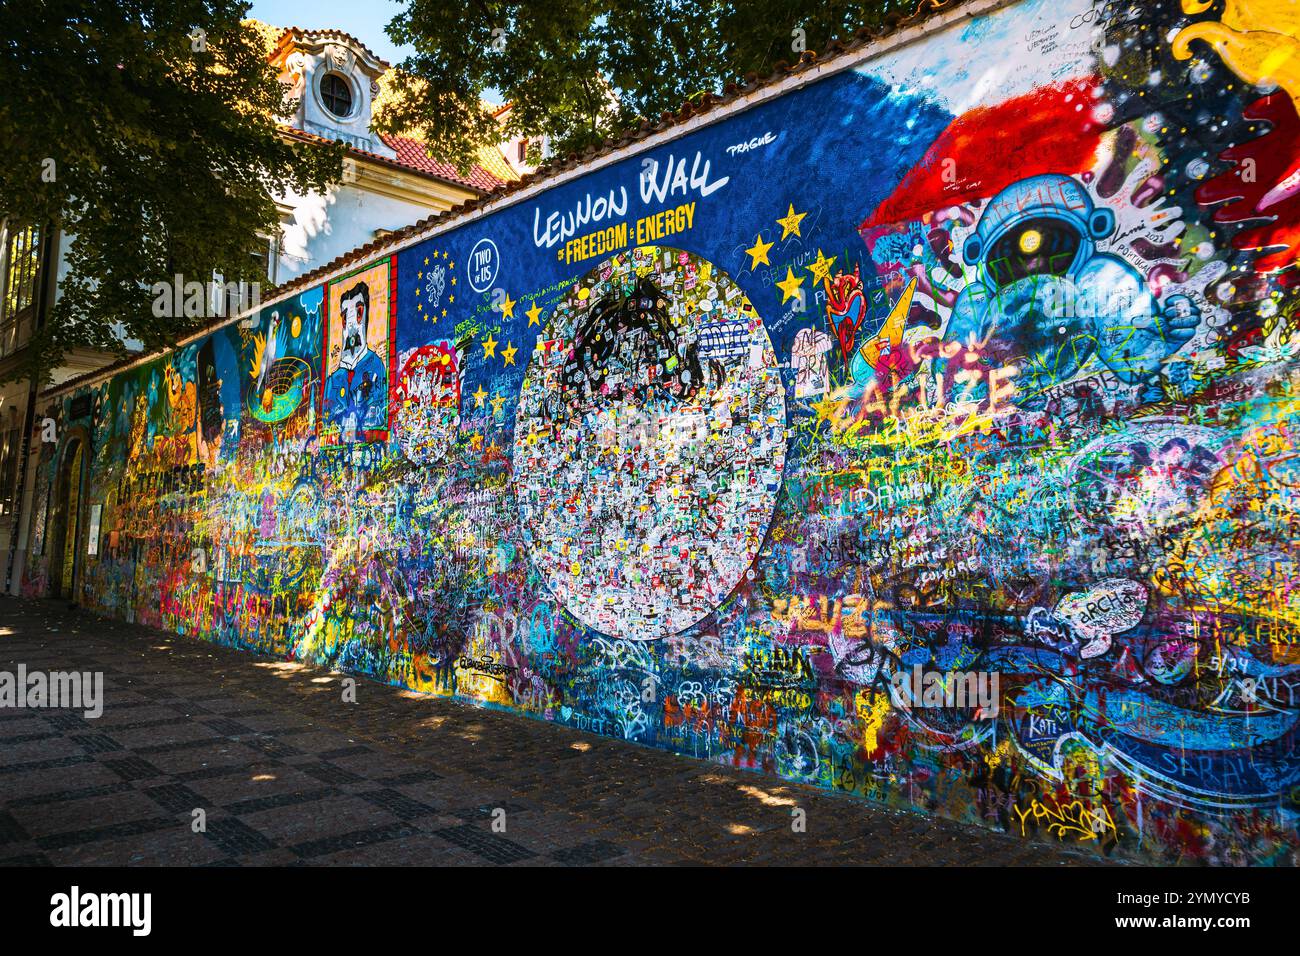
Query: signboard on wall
x=92 y=543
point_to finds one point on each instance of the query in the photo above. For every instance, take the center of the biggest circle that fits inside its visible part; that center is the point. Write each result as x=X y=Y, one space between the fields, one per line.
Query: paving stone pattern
x=288 y=774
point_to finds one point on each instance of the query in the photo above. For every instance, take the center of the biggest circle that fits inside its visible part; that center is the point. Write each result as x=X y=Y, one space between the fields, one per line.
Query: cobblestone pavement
x=288 y=774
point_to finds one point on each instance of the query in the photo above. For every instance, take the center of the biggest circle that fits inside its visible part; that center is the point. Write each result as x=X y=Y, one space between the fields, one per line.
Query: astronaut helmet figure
x=1044 y=225
x=1044 y=293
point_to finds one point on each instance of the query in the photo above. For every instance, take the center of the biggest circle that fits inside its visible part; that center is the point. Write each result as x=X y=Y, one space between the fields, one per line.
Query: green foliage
x=580 y=70
x=165 y=158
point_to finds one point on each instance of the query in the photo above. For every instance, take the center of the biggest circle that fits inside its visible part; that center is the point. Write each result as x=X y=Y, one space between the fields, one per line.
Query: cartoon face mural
x=959 y=473
x=649 y=443
x=355 y=394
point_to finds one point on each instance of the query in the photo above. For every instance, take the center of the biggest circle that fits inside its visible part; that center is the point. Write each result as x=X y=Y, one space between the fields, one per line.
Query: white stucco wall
x=323 y=226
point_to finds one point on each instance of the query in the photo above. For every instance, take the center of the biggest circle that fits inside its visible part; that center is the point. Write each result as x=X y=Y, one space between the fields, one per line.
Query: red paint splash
x=1265 y=184
x=846 y=307
x=1051 y=130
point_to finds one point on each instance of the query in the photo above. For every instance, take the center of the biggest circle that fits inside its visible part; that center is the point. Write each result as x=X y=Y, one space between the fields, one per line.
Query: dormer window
x=333 y=80
x=336 y=95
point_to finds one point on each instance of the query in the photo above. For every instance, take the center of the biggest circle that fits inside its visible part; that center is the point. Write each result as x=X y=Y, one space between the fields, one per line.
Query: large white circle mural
x=649 y=443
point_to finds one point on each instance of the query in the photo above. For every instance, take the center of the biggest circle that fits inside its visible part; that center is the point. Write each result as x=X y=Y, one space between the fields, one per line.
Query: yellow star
x=534 y=315
x=827 y=411
x=489 y=347
x=426 y=260
x=419 y=275
x=758 y=252
x=821 y=269
x=476 y=440
x=790 y=224
x=496 y=403
x=451 y=298
x=444 y=313
x=508 y=353
x=790 y=287
x=479 y=396
x=508 y=307
x=453 y=278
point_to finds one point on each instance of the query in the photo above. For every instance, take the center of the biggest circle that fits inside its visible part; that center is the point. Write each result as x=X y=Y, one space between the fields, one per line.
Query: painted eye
x=1030 y=241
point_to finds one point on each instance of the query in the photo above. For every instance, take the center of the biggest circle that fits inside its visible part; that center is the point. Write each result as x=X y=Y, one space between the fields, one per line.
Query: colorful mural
x=927 y=433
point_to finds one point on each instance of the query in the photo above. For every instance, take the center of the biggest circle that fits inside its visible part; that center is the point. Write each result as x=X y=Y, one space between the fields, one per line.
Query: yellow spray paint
x=1259 y=40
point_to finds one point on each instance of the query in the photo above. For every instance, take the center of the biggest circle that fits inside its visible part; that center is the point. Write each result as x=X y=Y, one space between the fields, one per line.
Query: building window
x=264 y=256
x=22 y=261
x=336 y=94
x=523 y=149
x=232 y=298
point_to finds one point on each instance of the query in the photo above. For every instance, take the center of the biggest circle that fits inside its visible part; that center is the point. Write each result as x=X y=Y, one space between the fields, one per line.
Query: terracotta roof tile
x=479 y=179
x=413 y=153
x=492 y=159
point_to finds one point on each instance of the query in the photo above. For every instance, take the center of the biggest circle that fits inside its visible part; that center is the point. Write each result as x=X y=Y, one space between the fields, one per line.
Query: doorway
x=67 y=521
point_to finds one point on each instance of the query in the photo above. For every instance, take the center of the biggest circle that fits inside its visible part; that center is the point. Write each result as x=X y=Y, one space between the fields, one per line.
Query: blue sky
x=364 y=19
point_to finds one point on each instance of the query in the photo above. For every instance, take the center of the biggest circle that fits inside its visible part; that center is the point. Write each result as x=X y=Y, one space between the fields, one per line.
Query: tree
x=146 y=131
x=579 y=71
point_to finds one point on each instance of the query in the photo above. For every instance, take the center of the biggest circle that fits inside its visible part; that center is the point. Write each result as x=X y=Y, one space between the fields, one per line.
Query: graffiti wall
x=929 y=433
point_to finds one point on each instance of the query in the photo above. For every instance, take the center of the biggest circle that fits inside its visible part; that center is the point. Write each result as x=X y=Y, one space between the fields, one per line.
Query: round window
x=336 y=94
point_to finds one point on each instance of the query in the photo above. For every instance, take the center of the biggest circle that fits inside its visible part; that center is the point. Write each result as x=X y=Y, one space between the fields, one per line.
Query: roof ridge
x=335 y=34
